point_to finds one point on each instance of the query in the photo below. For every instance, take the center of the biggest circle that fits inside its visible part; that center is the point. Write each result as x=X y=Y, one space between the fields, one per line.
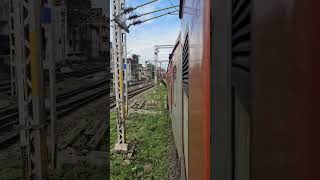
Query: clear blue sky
x=164 y=30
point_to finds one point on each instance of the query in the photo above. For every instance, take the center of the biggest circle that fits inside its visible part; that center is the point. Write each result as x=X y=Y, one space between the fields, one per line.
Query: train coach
x=188 y=76
x=254 y=100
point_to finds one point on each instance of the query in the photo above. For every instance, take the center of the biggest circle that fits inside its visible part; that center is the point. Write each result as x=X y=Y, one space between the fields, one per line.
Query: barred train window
x=185 y=66
x=241 y=53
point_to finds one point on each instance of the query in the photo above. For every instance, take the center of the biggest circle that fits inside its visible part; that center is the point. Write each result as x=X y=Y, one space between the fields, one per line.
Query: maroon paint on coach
x=286 y=118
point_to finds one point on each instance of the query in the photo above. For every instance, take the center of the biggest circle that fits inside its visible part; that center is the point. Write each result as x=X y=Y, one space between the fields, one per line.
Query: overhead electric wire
x=130 y=9
x=136 y=16
x=143 y=21
x=172 y=4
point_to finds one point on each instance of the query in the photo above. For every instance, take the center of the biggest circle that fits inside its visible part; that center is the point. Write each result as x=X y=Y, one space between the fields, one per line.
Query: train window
x=241 y=49
x=185 y=66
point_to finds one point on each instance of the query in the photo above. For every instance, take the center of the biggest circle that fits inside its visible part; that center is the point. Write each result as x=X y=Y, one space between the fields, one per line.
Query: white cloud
x=145 y=41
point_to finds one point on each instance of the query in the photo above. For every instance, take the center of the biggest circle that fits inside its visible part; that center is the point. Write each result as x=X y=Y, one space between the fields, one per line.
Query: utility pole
x=29 y=73
x=50 y=51
x=156 y=50
x=160 y=70
x=117 y=7
x=66 y=42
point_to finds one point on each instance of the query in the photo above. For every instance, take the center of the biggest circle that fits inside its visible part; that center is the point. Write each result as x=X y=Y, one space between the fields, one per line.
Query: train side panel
x=285 y=131
x=176 y=114
x=195 y=38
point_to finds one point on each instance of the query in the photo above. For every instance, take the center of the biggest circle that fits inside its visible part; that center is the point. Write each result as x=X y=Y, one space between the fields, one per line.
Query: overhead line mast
x=118 y=48
x=29 y=75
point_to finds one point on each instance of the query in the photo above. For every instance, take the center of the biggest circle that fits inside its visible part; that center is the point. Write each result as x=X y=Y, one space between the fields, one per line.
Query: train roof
x=174 y=49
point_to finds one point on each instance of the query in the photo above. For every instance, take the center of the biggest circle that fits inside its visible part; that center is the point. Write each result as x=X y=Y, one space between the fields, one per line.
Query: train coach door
x=231 y=96
x=241 y=138
x=185 y=130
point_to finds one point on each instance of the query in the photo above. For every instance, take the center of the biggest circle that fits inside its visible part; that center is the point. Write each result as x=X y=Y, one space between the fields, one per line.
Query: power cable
x=136 y=16
x=172 y=4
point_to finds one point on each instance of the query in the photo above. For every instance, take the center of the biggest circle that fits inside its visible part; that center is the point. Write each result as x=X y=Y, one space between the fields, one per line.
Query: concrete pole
x=52 y=76
x=155 y=64
x=66 y=43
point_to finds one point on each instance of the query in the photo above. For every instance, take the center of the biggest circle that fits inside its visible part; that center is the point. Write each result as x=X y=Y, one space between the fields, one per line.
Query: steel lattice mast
x=118 y=52
x=29 y=74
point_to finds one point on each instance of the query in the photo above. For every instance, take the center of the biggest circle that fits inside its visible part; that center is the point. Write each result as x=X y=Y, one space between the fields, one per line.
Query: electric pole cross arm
x=121 y=24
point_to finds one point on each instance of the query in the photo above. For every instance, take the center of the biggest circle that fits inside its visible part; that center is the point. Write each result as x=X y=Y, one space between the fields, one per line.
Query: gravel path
x=173 y=171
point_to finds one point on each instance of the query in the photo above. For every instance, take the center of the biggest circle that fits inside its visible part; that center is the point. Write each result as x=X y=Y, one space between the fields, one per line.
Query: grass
x=151 y=134
x=10 y=170
x=82 y=171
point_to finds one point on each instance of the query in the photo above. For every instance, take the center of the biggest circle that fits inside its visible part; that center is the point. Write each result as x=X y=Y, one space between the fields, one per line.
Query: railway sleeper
x=74 y=134
x=97 y=138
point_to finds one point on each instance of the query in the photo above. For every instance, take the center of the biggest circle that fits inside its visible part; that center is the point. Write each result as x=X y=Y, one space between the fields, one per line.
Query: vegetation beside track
x=10 y=169
x=151 y=137
x=82 y=171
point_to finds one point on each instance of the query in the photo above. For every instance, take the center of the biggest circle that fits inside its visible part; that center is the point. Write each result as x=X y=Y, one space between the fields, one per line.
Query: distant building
x=140 y=70
x=148 y=72
x=83 y=38
x=133 y=71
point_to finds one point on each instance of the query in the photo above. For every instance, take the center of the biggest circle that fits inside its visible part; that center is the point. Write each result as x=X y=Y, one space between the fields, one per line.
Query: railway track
x=9 y=115
x=79 y=73
x=68 y=102
x=87 y=135
x=5 y=86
